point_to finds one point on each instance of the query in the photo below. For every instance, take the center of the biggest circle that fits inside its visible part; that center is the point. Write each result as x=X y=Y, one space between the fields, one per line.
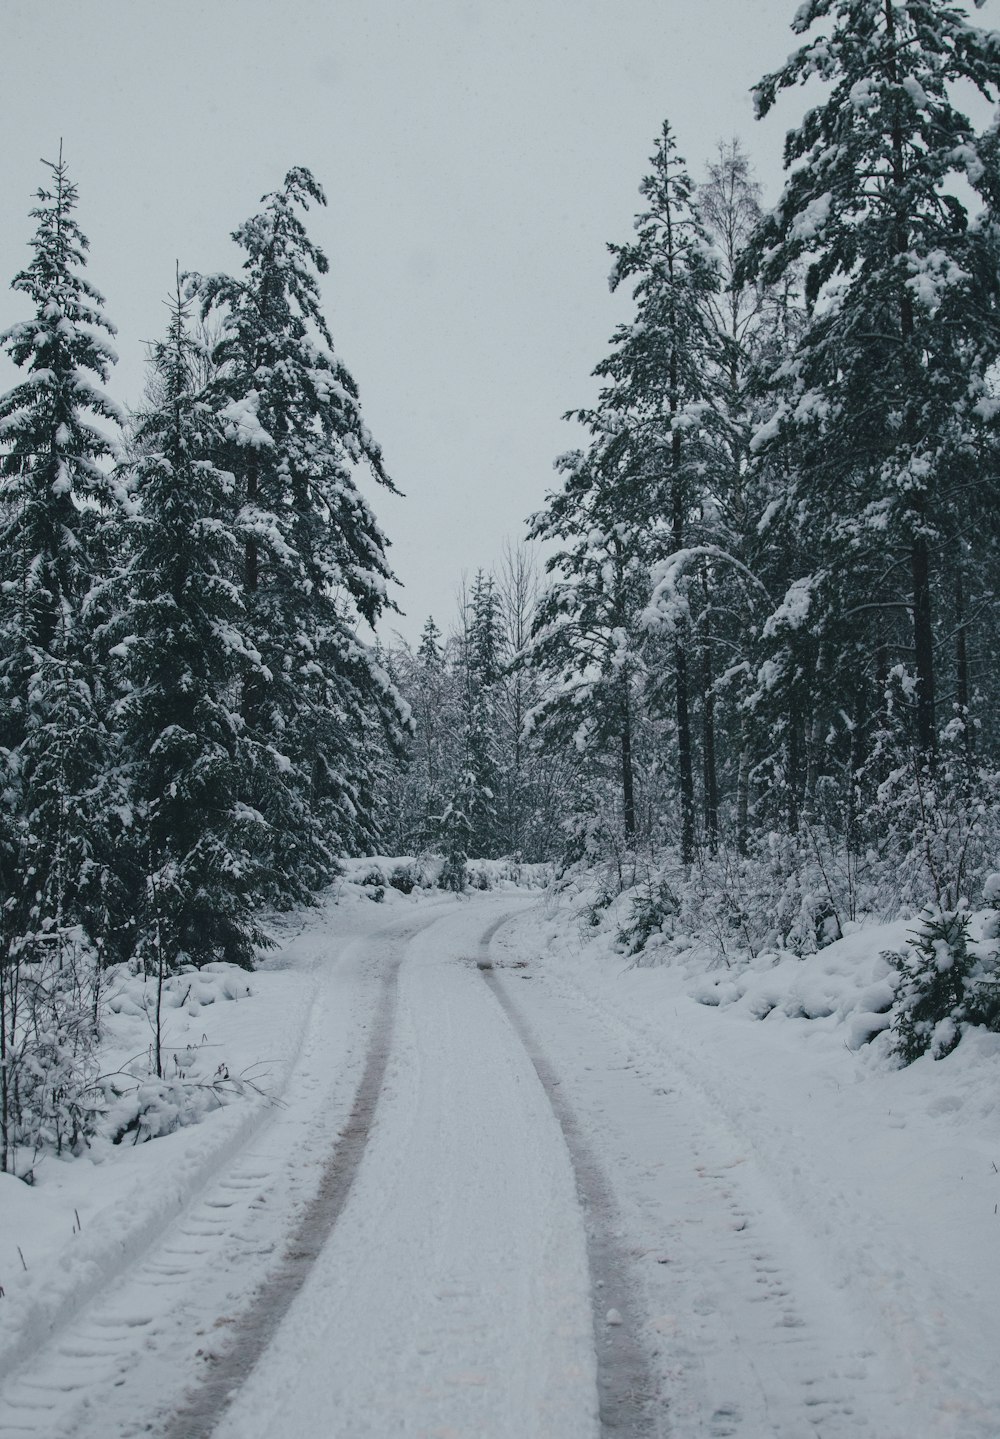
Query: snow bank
x=891 y=1173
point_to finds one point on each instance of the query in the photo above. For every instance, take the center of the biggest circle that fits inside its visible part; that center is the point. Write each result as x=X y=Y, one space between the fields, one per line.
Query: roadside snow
x=300 y=1032
x=792 y=1168
x=799 y=1237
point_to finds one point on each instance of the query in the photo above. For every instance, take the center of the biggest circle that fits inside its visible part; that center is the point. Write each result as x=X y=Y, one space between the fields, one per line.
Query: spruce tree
x=483 y=761
x=884 y=402
x=314 y=561
x=57 y=785
x=628 y=502
x=180 y=627
x=56 y=491
x=662 y=372
x=586 y=638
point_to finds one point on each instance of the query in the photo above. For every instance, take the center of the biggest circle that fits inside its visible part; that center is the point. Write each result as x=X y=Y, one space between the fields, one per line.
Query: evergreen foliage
x=57 y=789
x=882 y=404
x=183 y=653
x=314 y=560
x=628 y=501
x=938 y=993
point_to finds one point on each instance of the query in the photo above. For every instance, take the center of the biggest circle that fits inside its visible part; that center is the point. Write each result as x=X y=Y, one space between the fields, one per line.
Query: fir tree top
x=42 y=420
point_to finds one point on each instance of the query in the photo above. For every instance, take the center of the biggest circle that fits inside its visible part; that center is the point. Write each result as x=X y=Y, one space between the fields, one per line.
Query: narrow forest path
x=487 y=1208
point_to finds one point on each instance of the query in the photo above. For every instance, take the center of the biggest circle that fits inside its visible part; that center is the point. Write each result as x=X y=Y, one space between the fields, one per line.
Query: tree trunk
x=684 y=762
x=923 y=635
x=252 y=687
x=710 y=780
x=792 y=778
x=962 y=664
x=628 y=780
x=923 y=644
x=743 y=801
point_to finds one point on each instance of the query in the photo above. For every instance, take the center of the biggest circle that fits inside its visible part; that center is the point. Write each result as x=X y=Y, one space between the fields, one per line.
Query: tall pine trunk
x=923 y=633
x=628 y=778
x=685 y=766
x=962 y=661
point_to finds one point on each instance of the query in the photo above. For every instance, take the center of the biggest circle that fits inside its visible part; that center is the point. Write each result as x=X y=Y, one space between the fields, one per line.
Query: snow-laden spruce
x=177 y=631
x=57 y=792
x=883 y=425
x=314 y=563
x=626 y=502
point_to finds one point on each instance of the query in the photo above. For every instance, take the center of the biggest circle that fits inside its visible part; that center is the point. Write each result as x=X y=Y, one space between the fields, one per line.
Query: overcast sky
x=476 y=154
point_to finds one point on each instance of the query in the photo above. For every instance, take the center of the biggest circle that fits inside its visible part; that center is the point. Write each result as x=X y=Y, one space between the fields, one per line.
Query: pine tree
x=314 y=558
x=56 y=491
x=183 y=654
x=586 y=637
x=428 y=688
x=733 y=500
x=884 y=403
x=483 y=760
x=663 y=371
x=628 y=502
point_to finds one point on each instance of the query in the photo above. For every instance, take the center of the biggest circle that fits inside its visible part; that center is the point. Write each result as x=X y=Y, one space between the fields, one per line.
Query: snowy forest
x=744 y=664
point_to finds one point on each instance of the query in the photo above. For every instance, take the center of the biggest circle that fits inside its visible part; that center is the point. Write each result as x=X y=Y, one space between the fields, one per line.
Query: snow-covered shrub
x=654 y=908
x=937 y=836
x=941 y=988
x=191 y=988
x=49 y=1015
x=453 y=873
x=155 y=1107
x=991 y=897
x=403 y=878
x=373 y=884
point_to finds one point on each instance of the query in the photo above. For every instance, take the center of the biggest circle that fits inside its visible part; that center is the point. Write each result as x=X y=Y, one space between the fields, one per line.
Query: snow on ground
x=816 y=1230
x=89 y=1223
x=452 y=1298
x=568 y=1168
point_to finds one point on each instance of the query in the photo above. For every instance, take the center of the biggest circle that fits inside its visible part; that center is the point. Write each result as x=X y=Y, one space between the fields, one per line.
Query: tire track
x=249 y=1339
x=124 y=1362
x=627 y=1386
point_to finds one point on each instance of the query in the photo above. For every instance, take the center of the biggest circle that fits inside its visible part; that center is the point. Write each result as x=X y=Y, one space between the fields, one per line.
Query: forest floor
x=495 y=1183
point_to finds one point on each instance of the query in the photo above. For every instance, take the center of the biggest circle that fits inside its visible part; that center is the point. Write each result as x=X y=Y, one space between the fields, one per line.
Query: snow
x=793 y=611
x=916 y=91
x=864 y=93
x=803 y=1234
x=242 y=424
x=866 y=1194
x=809 y=224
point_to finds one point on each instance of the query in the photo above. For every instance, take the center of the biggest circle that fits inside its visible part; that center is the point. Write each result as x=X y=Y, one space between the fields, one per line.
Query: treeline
x=190 y=725
x=470 y=781
x=772 y=620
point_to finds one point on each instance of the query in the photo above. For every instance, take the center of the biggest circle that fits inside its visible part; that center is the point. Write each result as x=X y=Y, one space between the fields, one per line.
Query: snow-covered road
x=490 y=1205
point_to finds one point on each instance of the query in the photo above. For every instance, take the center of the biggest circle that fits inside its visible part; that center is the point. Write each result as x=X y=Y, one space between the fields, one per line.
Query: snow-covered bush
x=942 y=988
x=155 y=1107
x=49 y=993
x=403 y=878
x=937 y=837
x=654 y=908
x=991 y=897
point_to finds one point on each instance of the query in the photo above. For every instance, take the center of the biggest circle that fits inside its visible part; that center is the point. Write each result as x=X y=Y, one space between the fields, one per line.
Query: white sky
x=476 y=154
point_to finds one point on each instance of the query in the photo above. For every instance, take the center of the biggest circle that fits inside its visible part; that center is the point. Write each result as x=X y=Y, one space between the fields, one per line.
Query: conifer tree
x=586 y=637
x=663 y=371
x=483 y=760
x=56 y=491
x=314 y=558
x=628 y=502
x=180 y=627
x=881 y=407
